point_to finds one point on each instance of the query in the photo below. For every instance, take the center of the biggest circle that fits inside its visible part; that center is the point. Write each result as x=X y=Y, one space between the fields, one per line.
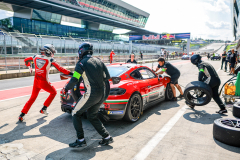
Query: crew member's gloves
x=71 y=73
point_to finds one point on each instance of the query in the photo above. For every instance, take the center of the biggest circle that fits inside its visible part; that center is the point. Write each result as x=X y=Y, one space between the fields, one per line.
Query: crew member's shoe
x=44 y=111
x=222 y=111
x=180 y=96
x=174 y=99
x=21 y=117
x=78 y=143
x=105 y=141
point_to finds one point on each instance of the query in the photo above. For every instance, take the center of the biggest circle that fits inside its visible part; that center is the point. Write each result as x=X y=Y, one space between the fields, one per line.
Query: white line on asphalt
x=24 y=96
x=147 y=149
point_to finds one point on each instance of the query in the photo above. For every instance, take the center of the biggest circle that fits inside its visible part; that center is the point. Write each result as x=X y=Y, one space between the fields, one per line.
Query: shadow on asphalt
x=77 y=153
x=227 y=147
x=19 y=130
x=202 y=116
x=61 y=129
x=116 y=128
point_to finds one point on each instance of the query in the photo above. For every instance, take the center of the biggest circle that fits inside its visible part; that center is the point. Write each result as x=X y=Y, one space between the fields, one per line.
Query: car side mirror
x=116 y=80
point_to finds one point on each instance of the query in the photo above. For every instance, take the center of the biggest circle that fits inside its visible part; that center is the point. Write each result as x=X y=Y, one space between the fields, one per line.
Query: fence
x=22 y=43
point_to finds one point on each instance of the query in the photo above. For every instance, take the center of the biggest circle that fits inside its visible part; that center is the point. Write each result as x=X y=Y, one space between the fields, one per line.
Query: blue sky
x=203 y=18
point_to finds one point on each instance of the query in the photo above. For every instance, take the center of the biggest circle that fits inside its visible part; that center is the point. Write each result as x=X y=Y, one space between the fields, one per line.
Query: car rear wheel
x=134 y=108
x=168 y=93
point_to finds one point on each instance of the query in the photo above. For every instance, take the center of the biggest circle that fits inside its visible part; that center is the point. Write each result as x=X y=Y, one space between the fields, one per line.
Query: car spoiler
x=115 y=80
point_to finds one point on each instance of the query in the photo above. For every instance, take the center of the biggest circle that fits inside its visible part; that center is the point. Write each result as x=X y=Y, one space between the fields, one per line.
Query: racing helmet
x=85 y=49
x=48 y=50
x=195 y=59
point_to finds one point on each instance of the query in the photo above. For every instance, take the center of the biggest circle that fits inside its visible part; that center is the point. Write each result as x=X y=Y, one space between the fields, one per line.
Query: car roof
x=128 y=65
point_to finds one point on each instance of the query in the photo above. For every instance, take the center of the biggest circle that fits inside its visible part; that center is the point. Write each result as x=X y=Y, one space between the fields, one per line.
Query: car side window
x=136 y=75
x=151 y=74
x=144 y=73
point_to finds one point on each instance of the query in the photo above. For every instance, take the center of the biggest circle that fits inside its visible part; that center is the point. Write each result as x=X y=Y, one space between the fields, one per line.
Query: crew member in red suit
x=42 y=63
x=111 y=56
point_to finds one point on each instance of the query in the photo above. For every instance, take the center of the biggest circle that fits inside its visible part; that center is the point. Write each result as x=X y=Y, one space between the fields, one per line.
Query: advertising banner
x=160 y=36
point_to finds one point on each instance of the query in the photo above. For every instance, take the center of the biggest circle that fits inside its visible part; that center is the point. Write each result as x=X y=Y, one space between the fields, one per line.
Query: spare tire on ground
x=227 y=130
x=236 y=109
x=198 y=93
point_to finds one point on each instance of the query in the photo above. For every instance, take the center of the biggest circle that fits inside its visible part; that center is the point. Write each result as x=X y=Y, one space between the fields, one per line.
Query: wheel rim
x=135 y=107
x=231 y=123
x=197 y=96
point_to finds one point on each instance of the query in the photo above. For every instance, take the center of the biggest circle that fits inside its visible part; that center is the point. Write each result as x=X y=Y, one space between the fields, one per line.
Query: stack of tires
x=227 y=130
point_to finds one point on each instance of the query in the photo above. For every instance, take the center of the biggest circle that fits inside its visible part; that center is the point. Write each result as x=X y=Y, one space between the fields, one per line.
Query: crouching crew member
x=174 y=73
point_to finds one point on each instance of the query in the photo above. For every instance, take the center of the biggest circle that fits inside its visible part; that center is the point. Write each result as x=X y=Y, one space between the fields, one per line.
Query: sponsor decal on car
x=115 y=112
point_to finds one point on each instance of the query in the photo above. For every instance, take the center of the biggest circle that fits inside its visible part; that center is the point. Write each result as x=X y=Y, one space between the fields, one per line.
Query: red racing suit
x=42 y=66
x=111 y=56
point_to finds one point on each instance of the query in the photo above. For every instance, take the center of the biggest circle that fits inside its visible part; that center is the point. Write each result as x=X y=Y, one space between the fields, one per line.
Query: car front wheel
x=168 y=93
x=134 y=108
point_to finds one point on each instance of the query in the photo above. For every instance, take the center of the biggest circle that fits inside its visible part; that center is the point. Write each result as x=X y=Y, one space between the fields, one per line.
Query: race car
x=186 y=57
x=217 y=57
x=138 y=89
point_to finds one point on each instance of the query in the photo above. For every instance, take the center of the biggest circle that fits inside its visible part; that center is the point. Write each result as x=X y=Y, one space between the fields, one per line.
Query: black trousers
x=226 y=62
x=216 y=97
x=89 y=102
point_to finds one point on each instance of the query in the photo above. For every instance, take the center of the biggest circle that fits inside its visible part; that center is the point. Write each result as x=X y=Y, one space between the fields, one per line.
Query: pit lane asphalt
x=41 y=137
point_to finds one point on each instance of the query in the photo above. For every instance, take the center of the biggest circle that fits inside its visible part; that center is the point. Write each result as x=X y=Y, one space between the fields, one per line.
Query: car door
x=142 y=84
x=152 y=84
x=156 y=87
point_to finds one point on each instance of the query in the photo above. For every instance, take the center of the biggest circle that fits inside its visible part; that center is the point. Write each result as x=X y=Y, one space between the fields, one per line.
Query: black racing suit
x=208 y=75
x=171 y=71
x=94 y=73
x=134 y=61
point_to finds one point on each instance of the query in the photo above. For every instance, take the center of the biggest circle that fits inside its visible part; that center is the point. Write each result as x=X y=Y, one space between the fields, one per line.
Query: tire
x=133 y=113
x=226 y=131
x=198 y=93
x=168 y=93
x=236 y=110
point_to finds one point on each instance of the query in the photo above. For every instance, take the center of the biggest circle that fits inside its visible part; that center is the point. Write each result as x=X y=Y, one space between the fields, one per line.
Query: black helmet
x=48 y=50
x=84 y=49
x=195 y=59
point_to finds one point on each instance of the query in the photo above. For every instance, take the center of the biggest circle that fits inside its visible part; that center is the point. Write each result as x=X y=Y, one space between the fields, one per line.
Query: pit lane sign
x=160 y=36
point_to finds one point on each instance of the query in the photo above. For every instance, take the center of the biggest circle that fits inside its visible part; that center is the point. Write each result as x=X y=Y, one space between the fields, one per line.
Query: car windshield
x=116 y=71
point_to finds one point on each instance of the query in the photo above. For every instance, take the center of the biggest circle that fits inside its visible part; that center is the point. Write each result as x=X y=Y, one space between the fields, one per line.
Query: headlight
x=117 y=91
